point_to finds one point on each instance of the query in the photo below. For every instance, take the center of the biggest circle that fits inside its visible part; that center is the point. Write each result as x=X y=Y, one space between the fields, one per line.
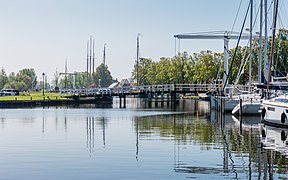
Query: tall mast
x=87 y=59
x=104 y=54
x=90 y=57
x=137 y=61
x=260 y=45
x=266 y=42
x=272 y=43
x=66 y=74
x=250 y=57
x=93 y=66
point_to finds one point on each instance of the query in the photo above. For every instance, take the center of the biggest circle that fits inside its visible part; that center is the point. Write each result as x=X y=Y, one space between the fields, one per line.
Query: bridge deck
x=146 y=89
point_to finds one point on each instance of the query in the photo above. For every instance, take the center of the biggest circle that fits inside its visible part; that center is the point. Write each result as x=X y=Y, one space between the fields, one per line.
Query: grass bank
x=34 y=96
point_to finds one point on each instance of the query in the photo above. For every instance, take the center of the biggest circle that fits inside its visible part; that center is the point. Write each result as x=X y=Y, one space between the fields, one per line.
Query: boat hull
x=275 y=113
x=248 y=109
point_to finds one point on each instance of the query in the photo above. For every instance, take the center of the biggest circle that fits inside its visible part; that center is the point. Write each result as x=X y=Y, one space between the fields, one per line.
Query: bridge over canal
x=141 y=90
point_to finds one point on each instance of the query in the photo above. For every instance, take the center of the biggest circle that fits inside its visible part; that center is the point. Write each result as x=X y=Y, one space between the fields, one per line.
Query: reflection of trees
x=238 y=144
x=177 y=126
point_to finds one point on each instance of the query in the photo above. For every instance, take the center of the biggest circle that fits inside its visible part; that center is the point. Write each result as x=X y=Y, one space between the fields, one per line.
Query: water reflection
x=90 y=133
x=91 y=126
x=190 y=143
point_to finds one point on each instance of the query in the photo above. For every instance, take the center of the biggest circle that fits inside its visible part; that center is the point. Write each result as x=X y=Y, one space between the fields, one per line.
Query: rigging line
x=281 y=18
x=270 y=10
x=244 y=62
x=230 y=68
x=236 y=16
x=282 y=13
x=255 y=20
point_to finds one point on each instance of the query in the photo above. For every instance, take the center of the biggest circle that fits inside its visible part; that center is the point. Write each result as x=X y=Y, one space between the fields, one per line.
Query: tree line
x=26 y=79
x=206 y=66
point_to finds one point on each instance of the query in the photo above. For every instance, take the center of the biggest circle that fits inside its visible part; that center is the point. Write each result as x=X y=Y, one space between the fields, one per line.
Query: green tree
x=206 y=67
x=3 y=78
x=102 y=77
x=24 y=79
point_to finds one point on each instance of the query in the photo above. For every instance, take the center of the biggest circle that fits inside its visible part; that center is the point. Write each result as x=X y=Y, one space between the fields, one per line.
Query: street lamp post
x=43 y=75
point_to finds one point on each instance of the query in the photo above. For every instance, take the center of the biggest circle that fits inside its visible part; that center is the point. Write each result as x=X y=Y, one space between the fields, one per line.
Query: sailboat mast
x=87 y=59
x=250 y=57
x=272 y=43
x=93 y=64
x=104 y=54
x=137 y=61
x=260 y=45
x=90 y=57
x=266 y=41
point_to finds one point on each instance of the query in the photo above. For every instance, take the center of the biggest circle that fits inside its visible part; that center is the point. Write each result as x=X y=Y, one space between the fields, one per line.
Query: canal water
x=141 y=141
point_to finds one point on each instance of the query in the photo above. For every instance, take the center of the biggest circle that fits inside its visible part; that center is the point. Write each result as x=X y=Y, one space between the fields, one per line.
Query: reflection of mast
x=65 y=123
x=43 y=124
x=2 y=122
x=137 y=138
x=90 y=134
x=103 y=130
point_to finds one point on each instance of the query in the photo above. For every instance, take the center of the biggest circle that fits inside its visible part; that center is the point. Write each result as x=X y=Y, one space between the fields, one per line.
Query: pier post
x=240 y=108
x=168 y=99
x=149 y=99
x=240 y=114
x=162 y=99
x=120 y=101
x=222 y=109
x=124 y=101
x=156 y=99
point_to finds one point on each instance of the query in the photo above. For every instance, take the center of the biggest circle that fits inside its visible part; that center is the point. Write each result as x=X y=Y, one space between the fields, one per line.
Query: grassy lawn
x=33 y=96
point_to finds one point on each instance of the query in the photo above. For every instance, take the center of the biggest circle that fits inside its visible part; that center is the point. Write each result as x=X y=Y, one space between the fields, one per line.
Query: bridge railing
x=149 y=88
x=193 y=87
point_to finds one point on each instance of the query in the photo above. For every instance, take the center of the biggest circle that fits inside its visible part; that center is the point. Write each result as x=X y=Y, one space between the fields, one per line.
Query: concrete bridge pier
x=156 y=99
x=173 y=100
x=162 y=99
x=149 y=98
x=120 y=100
x=168 y=99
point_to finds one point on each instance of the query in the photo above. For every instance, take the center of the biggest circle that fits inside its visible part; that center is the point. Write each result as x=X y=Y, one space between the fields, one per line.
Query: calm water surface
x=138 y=142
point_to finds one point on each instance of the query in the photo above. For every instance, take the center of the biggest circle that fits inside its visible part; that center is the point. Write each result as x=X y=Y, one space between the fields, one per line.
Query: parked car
x=9 y=92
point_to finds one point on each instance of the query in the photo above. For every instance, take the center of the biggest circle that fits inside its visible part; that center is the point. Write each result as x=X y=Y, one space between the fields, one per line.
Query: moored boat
x=275 y=111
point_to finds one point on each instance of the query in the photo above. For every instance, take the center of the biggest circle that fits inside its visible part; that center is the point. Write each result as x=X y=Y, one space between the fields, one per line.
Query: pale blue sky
x=42 y=34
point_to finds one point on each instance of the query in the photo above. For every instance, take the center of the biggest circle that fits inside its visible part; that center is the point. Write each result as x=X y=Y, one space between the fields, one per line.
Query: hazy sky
x=42 y=34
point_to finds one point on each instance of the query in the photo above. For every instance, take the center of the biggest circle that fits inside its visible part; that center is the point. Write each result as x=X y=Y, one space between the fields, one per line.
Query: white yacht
x=275 y=111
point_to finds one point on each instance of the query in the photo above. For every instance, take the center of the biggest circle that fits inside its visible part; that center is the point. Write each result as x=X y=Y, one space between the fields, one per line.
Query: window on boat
x=271 y=109
x=281 y=100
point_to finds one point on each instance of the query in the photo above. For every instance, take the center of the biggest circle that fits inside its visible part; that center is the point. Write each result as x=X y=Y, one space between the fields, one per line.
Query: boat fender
x=263 y=113
x=283 y=118
x=283 y=136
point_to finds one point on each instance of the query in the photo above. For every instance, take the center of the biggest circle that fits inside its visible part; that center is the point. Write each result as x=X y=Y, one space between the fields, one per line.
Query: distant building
x=124 y=83
x=123 y=86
